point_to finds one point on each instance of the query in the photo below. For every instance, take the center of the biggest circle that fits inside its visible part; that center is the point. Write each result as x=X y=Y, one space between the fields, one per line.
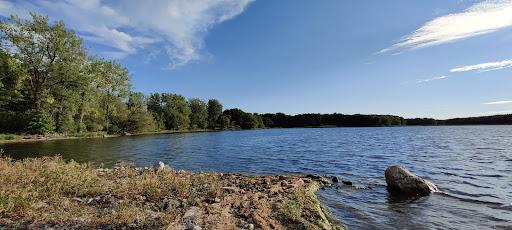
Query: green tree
x=258 y=120
x=134 y=117
x=225 y=122
x=156 y=108
x=112 y=82
x=176 y=111
x=198 y=114
x=45 y=51
x=214 y=112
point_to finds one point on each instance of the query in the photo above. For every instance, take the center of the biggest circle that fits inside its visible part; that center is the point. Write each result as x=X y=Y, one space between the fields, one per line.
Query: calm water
x=472 y=165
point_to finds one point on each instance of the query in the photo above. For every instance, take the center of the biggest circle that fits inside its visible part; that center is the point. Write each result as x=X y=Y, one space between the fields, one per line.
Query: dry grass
x=48 y=192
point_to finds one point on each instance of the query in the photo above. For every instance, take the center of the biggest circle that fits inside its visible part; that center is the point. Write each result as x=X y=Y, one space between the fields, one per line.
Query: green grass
x=87 y=134
x=8 y=137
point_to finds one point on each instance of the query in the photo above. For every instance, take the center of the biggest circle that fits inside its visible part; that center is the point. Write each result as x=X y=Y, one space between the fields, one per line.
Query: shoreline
x=54 y=194
x=23 y=138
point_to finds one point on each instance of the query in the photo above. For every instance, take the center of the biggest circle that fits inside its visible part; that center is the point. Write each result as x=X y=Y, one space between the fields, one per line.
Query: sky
x=411 y=58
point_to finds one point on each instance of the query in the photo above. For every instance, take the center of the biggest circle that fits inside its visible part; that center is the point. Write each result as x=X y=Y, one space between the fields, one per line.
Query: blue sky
x=434 y=58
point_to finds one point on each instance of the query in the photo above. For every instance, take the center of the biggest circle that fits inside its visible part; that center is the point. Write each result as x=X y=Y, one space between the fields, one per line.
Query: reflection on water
x=472 y=165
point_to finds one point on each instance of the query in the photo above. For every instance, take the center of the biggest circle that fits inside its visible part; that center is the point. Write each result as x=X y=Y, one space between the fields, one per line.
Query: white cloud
x=498 y=103
x=183 y=23
x=176 y=26
x=484 y=67
x=481 y=18
x=432 y=79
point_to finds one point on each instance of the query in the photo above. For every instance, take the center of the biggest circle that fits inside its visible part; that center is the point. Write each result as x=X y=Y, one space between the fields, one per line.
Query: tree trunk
x=81 y=113
x=107 y=117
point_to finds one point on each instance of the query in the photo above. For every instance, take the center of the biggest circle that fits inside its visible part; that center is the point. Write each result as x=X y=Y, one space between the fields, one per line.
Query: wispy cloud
x=431 y=79
x=483 y=67
x=481 y=18
x=498 y=103
x=128 y=26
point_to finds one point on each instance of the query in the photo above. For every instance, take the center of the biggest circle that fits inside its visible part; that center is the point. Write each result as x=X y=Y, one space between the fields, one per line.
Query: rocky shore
x=50 y=193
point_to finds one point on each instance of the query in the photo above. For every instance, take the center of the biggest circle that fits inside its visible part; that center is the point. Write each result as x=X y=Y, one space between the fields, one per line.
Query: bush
x=41 y=123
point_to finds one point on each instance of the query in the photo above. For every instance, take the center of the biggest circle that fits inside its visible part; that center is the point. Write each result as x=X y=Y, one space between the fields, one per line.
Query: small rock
x=77 y=199
x=334 y=179
x=250 y=226
x=160 y=166
x=229 y=189
x=347 y=182
x=216 y=200
x=192 y=218
x=170 y=204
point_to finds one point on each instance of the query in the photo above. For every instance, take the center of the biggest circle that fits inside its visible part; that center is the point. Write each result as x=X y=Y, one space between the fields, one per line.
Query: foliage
x=245 y=120
x=41 y=123
x=335 y=119
x=214 y=112
x=198 y=114
x=176 y=111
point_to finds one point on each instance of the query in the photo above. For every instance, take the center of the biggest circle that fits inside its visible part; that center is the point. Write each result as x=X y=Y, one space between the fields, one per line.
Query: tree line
x=335 y=119
x=359 y=120
x=50 y=84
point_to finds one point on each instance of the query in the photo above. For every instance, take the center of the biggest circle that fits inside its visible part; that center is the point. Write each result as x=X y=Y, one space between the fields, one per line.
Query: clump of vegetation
x=49 y=192
x=302 y=210
x=8 y=137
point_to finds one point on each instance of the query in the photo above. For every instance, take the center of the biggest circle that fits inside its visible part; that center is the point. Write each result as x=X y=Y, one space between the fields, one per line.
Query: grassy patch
x=51 y=193
x=8 y=137
x=87 y=134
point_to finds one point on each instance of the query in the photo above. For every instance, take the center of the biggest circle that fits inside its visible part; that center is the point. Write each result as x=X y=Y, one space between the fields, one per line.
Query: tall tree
x=46 y=52
x=112 y=81
x=176 y=111
x=199 y=114
x=156 y=108
x=214 y=112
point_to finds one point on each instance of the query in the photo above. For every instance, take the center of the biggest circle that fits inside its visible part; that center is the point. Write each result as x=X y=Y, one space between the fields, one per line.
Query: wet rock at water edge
x=161 y=166
x=402 y=182
x=347 y=182
x=334 y=179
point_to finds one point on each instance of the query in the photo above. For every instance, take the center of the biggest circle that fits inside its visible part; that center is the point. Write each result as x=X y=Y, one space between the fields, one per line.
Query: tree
x=112 y=82
x=225 y=122
x=156 y=108
x=45 y=52
x=199 y=114
x=214 y=112
x=176 y=111
x=242 y=119
x=134 y=118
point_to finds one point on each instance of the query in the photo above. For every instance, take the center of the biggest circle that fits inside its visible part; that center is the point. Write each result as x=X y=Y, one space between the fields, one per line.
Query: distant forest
x=359 y=120
x=50 y=84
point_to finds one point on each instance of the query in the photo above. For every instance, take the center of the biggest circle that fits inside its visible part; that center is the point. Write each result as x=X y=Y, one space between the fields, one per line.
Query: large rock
x=402 y=182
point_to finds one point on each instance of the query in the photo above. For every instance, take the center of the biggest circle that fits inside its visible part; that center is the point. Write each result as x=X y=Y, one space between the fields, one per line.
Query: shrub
x=41 y=123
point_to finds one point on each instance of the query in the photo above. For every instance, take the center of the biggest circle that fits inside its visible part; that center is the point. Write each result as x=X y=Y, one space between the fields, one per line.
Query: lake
x=472 y=166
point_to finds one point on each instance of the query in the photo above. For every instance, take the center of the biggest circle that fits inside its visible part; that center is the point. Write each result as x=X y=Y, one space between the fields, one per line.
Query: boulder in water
x=402 y=182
